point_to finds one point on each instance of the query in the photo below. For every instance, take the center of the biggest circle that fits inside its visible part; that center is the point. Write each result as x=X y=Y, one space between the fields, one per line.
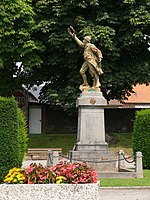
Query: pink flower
x=30 y=169
x=30 y=182
x=85 y=175
x=69 y=167
x=84 y=164
x=53 y=168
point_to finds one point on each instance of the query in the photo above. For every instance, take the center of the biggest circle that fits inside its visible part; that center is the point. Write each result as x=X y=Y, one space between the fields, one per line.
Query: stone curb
x=126 y=188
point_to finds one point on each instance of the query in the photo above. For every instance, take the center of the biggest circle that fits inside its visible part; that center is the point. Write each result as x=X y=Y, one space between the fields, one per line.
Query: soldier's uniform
x=92 y=60
x=92 y=56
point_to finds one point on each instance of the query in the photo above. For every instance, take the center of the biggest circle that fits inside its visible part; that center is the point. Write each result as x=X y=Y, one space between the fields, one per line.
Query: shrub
x=22 y=135
x=141 y=136
x=9 y=145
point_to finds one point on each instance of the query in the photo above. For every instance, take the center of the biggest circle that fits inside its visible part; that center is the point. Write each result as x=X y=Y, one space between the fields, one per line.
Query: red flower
x=30 y=182
x=30 y=169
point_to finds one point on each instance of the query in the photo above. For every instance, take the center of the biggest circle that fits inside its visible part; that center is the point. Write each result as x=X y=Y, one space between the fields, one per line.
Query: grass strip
x=114 y=182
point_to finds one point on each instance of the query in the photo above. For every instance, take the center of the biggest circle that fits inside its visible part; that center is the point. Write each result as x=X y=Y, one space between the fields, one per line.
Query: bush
x=23 y=136
x=141 y=136
x=9 y=145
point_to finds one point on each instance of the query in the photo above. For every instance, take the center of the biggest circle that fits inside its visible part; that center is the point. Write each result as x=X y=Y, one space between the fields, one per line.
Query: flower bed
x=61 y=173
x=62 y=181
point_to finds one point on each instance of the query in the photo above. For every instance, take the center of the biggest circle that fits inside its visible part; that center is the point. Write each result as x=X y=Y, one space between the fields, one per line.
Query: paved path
x=26 y=163
x=125 y=193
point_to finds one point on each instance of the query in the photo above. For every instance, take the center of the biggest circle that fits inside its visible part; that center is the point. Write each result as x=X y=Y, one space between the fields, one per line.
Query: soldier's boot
x=94 y=82
x=85 y=83
x=97 y=83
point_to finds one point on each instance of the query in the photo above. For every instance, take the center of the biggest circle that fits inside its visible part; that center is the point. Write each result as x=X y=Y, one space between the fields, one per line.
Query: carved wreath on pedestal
x=92 y=101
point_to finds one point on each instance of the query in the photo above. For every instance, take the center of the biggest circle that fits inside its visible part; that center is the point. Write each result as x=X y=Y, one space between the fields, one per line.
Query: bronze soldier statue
x=92 y=59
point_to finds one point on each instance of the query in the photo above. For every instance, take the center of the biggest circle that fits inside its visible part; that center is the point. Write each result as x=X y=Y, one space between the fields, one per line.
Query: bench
x=40 y=153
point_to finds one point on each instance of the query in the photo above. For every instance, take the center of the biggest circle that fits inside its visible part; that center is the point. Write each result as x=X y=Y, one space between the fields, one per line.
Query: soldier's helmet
x=87 y=38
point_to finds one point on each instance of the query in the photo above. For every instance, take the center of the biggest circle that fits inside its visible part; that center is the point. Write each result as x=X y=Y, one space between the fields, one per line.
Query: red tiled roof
x=115 y=102
x=141 y=95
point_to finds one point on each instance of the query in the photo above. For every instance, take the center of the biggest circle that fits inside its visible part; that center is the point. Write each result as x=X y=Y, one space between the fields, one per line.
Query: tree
x=17 y=44
x=120 y=29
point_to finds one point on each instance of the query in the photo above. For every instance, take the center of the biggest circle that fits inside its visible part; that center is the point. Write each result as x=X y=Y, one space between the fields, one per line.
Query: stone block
x=49 y=191
x=91 y=145
x=99 y=160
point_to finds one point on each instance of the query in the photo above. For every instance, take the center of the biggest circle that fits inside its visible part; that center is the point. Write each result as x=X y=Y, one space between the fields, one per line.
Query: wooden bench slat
x=40 y=153
x=44 y=149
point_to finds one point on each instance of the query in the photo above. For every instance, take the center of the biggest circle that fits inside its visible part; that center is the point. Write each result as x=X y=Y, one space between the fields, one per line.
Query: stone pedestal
x=91 y=145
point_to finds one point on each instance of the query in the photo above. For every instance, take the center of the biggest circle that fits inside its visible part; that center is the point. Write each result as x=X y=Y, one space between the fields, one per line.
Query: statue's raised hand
x=71 y=31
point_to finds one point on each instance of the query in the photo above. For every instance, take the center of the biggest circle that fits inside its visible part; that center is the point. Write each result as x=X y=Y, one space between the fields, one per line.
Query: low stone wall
x=49 y=191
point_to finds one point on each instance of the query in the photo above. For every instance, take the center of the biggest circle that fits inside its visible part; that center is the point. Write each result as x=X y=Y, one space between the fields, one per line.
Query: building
x=119 y=116
x=44 y=118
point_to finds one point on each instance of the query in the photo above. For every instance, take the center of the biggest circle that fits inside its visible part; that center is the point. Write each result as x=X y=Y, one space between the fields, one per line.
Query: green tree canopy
x=17 y=44
x=119 y=28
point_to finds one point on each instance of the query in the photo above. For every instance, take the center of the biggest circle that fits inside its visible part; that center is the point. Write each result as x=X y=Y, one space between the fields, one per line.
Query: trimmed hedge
x=141 y=136
x=9 y=145
x=23 y=136
x=13 y=135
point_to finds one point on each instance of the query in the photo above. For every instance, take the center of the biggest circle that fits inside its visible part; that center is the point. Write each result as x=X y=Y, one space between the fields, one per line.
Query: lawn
x=64 y=141
x=67 y=141
x=124 y=142
x=112 y=182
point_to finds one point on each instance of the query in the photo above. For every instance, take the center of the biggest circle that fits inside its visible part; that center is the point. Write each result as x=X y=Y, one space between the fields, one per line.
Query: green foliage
x=66 y=99
x=13 y=135
x=37 y=37
x=141 y=135
x=9 y=148
x=22 y=135
x=120 y=29
x=17 y=44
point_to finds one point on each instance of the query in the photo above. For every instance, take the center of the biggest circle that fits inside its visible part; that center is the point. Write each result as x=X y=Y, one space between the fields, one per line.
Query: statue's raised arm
x=72 y=32
x=92 y=60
